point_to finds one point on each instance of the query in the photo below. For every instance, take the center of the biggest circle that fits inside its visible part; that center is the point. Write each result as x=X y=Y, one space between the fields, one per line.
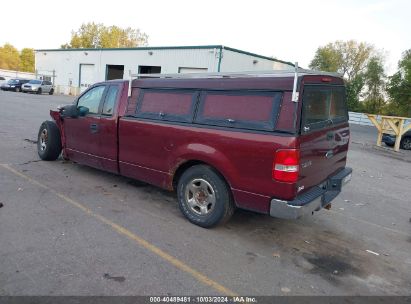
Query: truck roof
x=265 y=80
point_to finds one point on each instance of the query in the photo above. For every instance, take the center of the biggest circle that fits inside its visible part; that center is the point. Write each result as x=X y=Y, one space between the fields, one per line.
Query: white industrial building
x=73 y=70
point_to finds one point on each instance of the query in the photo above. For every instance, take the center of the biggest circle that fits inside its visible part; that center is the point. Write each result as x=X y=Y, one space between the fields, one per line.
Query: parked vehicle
x=219 y=141
x=3 y=80
x=38 y=87
x=405 y=143
x=14 y=85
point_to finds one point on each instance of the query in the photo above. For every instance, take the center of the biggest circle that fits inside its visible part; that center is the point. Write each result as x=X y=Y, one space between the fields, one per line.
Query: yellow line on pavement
x=132 y=236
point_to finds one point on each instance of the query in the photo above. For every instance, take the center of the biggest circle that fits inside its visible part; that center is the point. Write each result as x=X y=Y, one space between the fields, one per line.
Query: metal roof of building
x=191 y=47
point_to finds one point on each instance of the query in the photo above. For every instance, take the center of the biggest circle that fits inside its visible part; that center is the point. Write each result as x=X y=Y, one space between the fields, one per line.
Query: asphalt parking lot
x=66 y=229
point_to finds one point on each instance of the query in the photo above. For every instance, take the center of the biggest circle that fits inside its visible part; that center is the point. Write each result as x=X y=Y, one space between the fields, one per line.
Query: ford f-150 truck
x=274 y=143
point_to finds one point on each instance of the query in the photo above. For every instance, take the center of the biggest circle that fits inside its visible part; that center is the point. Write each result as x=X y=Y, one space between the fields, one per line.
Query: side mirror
x=82 y=111
x=69 y=111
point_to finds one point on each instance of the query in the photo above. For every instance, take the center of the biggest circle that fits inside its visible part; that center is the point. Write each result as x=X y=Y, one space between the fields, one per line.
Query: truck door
x=108 y=129
x=82 y=133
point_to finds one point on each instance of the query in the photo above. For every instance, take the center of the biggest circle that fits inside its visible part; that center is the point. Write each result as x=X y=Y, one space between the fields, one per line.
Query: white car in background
x=38 y=86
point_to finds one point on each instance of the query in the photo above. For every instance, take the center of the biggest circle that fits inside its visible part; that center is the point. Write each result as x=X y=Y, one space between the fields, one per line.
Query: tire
x=406 y=143
x=211 y=200
x=49 y=141
x=389 y=144
x=51 y=92
x=17 y=89
x=39 y=91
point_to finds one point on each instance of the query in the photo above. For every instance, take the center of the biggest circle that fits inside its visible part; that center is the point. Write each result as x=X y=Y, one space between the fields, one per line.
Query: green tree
x=354 y=89
x=327 y=58
x=114 y=37
x=375 y=81
x=97 y=35
x=9 y=57
x=346 y=57
x=399 y=88
x=27 y=60
x=349 y=58
x=87 y=36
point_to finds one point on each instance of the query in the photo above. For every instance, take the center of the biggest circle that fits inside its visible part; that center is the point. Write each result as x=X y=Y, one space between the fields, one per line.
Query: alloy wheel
x=43 y=140
x=200 y=196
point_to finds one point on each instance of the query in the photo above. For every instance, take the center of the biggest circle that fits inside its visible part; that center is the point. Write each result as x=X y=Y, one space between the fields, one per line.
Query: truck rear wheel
x=204 y=197
x=49 y=141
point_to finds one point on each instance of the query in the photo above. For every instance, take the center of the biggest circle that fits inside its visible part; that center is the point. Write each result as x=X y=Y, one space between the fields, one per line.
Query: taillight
x=286 y=165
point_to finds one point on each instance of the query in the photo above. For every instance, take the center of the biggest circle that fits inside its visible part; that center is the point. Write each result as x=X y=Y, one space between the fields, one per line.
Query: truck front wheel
x=49 y=141
x=204 y=197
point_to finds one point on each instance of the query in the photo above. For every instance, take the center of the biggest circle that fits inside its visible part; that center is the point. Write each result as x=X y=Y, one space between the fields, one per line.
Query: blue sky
x=288 y=30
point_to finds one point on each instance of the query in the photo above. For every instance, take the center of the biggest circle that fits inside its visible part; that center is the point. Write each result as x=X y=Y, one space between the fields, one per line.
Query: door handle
x=93 y=128
x=329 y=154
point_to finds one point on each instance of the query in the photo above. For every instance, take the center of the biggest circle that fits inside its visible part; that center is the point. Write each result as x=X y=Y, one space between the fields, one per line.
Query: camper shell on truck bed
x=274 y=143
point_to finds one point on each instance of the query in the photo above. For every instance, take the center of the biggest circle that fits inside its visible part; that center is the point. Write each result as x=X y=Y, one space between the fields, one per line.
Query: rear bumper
x=313 y=200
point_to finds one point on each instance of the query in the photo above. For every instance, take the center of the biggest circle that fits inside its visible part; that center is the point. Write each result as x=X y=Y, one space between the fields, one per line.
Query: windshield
x=323 y=105
x=35 y=81
x=13 y=81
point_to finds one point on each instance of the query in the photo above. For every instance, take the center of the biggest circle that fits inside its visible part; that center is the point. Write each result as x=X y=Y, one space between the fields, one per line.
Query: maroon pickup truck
x=274 y=143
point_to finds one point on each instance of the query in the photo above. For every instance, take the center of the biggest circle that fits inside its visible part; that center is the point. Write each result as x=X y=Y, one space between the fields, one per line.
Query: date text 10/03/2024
x=201 y=299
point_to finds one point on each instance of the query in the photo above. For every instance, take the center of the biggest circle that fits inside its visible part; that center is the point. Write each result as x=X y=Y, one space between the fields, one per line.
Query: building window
x=148 y=69
x=114 y=71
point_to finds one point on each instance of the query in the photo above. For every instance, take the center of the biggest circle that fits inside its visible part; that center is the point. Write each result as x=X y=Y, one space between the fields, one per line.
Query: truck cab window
x=91 y=99
x=110 y=100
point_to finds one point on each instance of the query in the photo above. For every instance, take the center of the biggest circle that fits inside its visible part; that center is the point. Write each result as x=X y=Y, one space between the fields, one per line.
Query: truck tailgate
x=324 y=134
x=322 y=153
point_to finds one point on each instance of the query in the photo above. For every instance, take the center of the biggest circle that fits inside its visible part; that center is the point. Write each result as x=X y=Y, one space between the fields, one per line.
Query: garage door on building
x=186 y=70
x=86 y=76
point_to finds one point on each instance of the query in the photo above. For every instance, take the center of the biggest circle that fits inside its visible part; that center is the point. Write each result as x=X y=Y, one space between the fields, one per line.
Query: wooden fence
x=362 y=119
